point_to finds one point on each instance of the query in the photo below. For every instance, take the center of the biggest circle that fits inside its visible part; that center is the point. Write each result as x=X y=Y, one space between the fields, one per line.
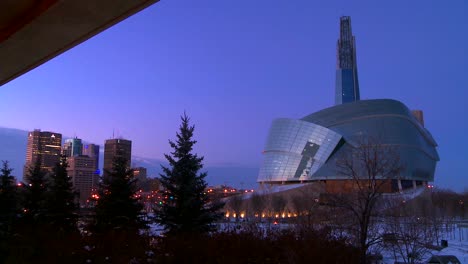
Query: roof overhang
x=35 y=31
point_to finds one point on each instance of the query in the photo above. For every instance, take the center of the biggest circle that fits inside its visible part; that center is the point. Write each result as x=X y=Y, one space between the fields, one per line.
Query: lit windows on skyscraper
x=44 y=146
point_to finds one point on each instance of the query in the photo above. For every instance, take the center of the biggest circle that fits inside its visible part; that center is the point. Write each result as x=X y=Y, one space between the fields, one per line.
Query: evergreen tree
x=119 y=219
x=34 y=193
x=188 y=209
x=8 y=197
x=118 y=206
x=31 y=229
x=61 y=205
x=8 y=209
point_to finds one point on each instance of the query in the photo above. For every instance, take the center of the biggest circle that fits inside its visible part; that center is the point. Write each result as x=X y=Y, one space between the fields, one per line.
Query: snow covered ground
x=457 y=246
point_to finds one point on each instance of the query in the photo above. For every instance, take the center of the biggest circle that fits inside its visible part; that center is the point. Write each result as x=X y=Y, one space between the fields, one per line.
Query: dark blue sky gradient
x=234 y=66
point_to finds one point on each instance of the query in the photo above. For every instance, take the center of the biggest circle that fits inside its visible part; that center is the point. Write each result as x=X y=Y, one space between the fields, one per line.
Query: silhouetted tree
x=34 y=194
x=188 y=209
x=118 y=219
x=118 y=206
x=257 y=204
x=236 y=203
x=38 y=236
x=8 y=207
x=305 y=204
x=278 y=203
x=61 y=205
x=369 y=167
x=406 y=238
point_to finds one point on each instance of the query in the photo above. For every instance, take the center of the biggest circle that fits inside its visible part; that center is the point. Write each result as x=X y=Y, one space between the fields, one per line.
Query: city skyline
x=232 y=70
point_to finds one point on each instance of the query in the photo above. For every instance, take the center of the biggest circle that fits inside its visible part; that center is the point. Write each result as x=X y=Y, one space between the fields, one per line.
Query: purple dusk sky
x=234 y=66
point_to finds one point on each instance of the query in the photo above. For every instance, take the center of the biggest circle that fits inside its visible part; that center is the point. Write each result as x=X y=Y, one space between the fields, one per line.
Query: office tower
x=92 y=150
x=82 y=170
x=347 y=85
x=116 y=147
x=419 y=116
x=44 y=146
x=72 y=147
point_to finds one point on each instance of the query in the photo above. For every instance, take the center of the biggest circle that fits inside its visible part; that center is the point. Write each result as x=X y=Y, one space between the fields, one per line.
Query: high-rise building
x=82 y=170
x=44 y=146
x=116 y=147
x=347 y=85
x=72 y=147
x=92 y=150
x=83 y=163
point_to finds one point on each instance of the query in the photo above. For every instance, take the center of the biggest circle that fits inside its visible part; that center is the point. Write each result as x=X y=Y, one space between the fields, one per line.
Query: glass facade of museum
x=296 y=149
x=307 y=149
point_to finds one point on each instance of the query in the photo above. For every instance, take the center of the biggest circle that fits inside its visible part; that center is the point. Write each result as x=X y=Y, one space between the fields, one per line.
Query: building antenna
x=112 y=133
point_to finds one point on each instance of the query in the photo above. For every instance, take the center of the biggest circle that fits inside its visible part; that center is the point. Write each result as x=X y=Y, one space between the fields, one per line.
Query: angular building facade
x=346 y=85
x=72 y=147
x=308 y=149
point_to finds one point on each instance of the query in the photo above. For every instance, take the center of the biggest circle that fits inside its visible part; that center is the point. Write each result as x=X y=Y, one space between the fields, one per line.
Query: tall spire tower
x=347 y=85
